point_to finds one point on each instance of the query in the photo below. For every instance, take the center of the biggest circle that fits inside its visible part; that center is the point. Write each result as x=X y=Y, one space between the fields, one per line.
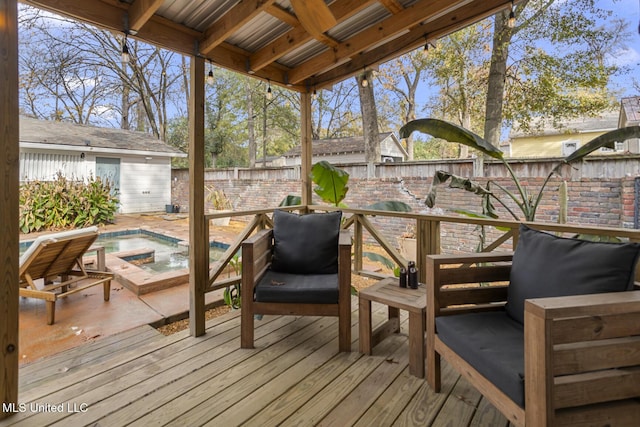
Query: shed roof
x=51 y=134
x=325 y=147
x=631 y=108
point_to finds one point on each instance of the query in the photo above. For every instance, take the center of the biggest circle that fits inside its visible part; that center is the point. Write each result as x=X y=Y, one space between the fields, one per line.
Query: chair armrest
x=473 y=272
x=344 y=264
x=581 y=350
x=256 y=258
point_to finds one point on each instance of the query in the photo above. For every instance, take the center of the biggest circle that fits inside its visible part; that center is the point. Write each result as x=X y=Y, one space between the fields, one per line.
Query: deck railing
x=361 y=222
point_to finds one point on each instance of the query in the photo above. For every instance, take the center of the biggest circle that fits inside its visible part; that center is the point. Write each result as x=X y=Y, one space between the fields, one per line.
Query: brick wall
x=604 y=202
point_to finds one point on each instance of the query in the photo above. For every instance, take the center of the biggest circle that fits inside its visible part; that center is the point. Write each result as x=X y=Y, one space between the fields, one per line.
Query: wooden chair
x=559 y=349
x=301 y=267
x=56 y=258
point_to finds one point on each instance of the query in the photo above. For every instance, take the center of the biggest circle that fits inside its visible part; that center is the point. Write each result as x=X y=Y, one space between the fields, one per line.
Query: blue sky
x=629 y=57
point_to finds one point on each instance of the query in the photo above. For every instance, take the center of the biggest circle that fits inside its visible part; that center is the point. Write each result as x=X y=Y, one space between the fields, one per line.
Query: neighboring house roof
x=353 y=144
x=53 y=135
x=604 y=122
x=630 y=111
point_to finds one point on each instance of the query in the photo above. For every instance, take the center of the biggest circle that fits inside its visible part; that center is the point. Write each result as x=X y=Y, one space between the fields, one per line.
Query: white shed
x=137 y=165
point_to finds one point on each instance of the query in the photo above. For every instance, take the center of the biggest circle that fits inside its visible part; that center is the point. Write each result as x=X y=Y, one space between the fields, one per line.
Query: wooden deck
x=294 y=376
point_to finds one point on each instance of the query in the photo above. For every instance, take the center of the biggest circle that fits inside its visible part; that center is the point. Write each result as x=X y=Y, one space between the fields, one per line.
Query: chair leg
x=106 y=286
x=344 y=329
x=246 y=328
x=51 y=312
x=433 y=369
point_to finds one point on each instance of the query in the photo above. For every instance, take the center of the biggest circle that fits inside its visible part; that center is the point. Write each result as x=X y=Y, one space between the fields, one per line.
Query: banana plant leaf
x=605 y=140
x=471 y=214
x=291 y=200
x=331 y=182
x=455 y=181
x=452 y=133
x=390 y=205
x=379 y=258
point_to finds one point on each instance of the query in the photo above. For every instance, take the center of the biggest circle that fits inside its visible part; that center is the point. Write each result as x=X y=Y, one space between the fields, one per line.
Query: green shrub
x=63 y=203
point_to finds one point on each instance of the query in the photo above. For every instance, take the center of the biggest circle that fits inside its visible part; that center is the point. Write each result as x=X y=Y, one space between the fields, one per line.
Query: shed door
x=108 y=169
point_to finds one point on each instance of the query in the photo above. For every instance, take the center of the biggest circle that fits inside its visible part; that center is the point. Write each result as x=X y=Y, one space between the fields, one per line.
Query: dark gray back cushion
x=305 y=244
x=547 y=266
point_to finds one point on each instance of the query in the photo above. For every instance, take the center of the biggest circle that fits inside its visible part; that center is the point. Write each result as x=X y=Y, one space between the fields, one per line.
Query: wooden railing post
x=357 y=244
x=428 y=243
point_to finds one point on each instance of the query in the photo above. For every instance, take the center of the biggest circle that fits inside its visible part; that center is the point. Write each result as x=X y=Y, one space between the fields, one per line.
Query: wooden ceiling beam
x=414 y=39
x=141 y=11
x=388 y=29
x=392 y=6
x=298 y=36
x=315 y=16
x=164 y=33
x=283 y=15
x=235 y=18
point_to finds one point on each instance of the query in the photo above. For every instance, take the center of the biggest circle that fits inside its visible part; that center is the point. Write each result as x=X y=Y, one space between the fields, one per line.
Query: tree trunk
x=251 y=125
x=369 y=118
x=497 y=75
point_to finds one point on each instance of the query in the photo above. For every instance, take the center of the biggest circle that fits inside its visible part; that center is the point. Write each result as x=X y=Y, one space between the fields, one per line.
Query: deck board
x=294 y=376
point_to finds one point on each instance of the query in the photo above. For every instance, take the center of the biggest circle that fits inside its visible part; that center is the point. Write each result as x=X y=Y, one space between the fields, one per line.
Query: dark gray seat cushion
x=545 y=265
x=297 y=288
x=306 y=244
x=492 y=343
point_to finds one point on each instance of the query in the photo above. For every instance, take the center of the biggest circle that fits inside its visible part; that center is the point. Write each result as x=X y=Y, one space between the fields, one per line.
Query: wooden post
x=306 y=148
x=9 y=190
x=357 y=242
x=198 y=240
x=428 y=243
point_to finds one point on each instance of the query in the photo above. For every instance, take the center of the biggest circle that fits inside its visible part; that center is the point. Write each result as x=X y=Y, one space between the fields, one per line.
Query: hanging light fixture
x=511 y=22
x=315 y=94
x=269 y=93
x=364 y=81
x=210 y=79
x=427 y=44
x=125 y=50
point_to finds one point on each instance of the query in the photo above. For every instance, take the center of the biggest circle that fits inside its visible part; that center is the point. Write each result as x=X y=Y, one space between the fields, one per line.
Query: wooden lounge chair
x=57 y=259
x=302 y=267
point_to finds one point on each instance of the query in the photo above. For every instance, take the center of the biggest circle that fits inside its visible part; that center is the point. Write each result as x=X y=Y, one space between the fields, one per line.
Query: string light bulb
x=210 y=79
x=269 y=92
x=125 y=50
x=364 y=81
x=315 y=94
x=427 y=44
x=511 y=22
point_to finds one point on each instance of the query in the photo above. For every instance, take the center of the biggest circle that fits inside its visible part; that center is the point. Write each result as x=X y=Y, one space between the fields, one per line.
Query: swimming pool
x=169 y=253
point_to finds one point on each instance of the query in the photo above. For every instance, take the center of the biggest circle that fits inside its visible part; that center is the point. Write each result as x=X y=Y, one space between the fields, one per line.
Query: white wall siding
x=145 y=184
x=45 y=166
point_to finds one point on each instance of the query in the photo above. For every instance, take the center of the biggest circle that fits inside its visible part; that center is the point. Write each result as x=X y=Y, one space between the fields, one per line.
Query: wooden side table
x=414 y=301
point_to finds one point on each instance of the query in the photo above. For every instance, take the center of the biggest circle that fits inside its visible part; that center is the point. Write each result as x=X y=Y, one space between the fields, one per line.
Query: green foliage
x=527 y=203
x=390 y=205
x=231 y=295
x=331 y=182
x=219 y=200
x=62 y=203
x=291 y=200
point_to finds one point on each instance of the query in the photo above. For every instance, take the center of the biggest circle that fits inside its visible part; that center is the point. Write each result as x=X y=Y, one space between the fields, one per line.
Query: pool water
x=169 y=255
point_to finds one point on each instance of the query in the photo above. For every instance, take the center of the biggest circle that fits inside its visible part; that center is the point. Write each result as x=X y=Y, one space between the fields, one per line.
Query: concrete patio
x=84 y=317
